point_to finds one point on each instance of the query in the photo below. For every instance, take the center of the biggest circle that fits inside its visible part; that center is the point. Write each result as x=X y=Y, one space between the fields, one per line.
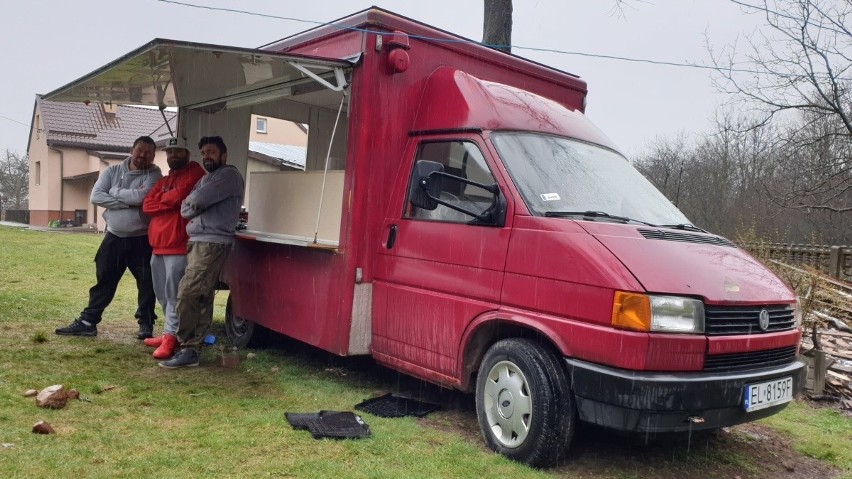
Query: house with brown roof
x=71 y=143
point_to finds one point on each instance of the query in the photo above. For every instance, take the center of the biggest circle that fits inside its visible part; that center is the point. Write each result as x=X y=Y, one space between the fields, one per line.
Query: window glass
x=557 y=175
x=261 y=125
x=461 y=159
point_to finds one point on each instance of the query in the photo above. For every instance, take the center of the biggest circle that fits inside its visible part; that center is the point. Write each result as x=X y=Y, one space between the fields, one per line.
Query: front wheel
x=241 y=332
x=524 y=404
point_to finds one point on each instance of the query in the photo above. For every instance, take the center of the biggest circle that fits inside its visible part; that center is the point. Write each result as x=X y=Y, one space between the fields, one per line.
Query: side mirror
x=425 y=187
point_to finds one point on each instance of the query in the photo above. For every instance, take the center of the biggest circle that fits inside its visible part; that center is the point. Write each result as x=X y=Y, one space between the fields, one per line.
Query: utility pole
x=497 y=24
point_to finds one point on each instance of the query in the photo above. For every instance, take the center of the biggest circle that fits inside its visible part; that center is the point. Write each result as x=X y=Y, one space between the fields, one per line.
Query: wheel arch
x=492 y=327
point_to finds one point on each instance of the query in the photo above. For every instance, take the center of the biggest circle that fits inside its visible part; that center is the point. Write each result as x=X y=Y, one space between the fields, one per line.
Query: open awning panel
x=167 y=73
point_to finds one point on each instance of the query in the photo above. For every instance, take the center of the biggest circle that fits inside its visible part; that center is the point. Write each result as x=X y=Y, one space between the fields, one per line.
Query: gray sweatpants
x=167 y=271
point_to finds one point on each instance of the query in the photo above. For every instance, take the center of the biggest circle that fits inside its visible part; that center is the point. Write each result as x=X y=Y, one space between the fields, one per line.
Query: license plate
x=771 y=393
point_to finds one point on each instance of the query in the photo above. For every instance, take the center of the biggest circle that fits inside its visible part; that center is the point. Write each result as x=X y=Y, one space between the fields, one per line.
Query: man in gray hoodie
x=213 y=210
x=120 y=189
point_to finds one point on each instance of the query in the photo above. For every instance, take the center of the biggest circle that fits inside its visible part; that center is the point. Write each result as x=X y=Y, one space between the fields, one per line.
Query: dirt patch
x=749 y=451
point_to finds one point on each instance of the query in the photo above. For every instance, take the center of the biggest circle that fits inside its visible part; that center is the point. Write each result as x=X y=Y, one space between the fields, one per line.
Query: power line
x=16 y=121
x=496 y=46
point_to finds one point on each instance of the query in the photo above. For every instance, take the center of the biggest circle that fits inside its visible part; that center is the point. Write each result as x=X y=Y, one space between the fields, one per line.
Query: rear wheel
x=524 y=404
x=241 y=332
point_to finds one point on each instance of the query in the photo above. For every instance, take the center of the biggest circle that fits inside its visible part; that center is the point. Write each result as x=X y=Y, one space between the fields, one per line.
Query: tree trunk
x=497 y=25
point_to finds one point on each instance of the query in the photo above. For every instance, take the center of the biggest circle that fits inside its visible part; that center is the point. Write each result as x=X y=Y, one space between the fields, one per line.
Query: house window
x=37 y=173
x=261 y=125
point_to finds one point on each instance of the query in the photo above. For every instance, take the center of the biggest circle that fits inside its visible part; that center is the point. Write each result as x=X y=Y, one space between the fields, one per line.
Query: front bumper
x=638 y=401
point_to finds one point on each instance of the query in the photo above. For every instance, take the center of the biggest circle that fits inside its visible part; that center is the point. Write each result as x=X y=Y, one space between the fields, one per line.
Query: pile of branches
x=827 y=326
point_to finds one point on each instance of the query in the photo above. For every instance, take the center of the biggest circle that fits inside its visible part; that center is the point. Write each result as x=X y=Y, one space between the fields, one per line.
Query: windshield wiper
x=594 y=214
x=685 y=226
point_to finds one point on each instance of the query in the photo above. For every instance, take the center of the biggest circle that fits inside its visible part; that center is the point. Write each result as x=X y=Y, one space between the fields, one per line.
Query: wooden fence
x=835 y=261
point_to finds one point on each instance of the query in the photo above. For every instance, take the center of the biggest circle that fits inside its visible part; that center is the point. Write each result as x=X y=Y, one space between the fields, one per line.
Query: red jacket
x=167 y=230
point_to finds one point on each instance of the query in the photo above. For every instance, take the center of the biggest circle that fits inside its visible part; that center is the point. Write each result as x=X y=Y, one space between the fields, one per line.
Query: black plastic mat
x=330 y=424
x=396 y=406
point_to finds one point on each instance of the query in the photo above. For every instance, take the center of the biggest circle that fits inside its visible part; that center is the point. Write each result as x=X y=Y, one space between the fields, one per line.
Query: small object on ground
x=30 y=393
x=274 y=369
x=250 y=356
x=330 y=424
x=42 y=427
x=209 y=339
x=73 y=394
x=229 y=360
x=390 y=405
x=52 y=397
x=7 y=445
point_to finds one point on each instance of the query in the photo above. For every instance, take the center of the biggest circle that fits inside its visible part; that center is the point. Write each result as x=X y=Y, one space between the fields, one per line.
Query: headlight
x=665 y=314
x=797 y=313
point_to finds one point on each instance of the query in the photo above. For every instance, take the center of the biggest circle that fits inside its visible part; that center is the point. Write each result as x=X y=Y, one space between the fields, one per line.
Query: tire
x=524 y=404
x=241 y=332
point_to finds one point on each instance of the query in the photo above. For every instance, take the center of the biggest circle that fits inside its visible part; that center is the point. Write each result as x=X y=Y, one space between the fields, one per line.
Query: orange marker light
x=631 y=311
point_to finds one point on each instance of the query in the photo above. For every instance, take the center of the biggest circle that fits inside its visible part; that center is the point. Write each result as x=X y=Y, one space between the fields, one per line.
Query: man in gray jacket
x=213 y=210
x=120 y=189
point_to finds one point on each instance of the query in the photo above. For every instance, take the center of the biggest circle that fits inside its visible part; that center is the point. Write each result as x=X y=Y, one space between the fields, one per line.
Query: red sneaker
x=153 y=342
x=167 y=348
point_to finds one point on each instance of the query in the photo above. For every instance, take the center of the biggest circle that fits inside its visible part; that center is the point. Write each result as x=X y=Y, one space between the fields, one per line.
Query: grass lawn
x=138 y=420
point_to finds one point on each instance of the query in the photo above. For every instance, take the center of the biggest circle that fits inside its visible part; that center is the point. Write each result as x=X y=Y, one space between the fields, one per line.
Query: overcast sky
x=46 y=44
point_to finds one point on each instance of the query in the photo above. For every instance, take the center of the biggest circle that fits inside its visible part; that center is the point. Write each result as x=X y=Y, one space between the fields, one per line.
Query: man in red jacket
x=168 y=238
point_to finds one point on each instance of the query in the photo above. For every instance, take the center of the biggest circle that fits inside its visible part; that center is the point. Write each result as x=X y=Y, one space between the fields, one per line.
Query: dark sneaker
x=78 y=328
x=185 y=358
x=146 y=330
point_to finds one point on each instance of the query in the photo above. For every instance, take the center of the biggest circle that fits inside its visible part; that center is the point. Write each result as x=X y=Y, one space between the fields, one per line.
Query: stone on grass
x=53 y=397
x=250 y=356
x=30 y=393
x=42 y=427
x=73 y=394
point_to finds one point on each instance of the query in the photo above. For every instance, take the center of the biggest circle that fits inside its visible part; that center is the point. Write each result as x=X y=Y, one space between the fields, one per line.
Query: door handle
x=391 y=237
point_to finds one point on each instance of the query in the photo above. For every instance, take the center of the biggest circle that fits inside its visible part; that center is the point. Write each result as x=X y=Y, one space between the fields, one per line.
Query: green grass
x=823 y=434
x=138 y=420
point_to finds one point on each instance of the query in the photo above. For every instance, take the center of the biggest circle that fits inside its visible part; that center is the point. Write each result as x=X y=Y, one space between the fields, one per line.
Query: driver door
x=437 y=269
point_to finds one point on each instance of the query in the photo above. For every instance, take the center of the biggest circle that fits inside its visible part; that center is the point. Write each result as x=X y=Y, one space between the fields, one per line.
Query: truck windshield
x=561 y=177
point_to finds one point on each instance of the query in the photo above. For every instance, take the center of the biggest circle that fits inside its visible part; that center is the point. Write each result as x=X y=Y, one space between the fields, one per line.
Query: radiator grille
x=719 y=321
x=749 y=360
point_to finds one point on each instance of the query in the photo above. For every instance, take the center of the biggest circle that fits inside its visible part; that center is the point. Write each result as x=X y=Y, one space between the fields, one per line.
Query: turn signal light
x=631 y=311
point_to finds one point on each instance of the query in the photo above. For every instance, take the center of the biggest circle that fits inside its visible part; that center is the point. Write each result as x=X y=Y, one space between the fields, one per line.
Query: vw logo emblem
x=764 y=320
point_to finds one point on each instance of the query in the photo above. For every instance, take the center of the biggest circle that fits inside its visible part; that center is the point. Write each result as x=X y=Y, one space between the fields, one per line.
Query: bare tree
x=797 y=70
x=14 y=181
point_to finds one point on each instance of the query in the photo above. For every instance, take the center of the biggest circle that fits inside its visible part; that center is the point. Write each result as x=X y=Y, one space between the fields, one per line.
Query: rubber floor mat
x=330 y=424
x=396 y=406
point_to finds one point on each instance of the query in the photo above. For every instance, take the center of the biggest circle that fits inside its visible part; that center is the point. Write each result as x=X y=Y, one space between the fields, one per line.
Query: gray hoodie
x=121 y=191
x=213 y=206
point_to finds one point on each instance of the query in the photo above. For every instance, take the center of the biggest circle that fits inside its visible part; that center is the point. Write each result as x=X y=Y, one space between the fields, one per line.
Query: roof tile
x=89 y=126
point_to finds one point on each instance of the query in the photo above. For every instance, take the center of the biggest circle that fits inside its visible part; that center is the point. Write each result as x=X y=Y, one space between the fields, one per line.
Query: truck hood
x=693 y=264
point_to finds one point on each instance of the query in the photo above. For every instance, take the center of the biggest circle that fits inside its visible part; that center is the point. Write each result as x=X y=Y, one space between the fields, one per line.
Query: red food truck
x=460 y=220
